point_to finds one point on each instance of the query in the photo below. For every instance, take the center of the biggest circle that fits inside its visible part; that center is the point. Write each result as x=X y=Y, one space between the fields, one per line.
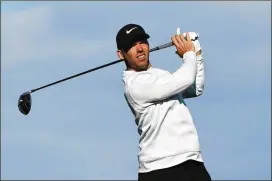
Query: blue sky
x=83 y=129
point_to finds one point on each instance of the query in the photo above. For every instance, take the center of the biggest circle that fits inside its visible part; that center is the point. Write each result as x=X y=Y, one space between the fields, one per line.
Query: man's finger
x=179 y=40
x=174 y=40
x=188 y=37
x=182 y=38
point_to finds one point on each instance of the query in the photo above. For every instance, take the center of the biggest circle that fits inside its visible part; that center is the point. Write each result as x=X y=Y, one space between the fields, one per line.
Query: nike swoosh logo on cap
x=128 y=31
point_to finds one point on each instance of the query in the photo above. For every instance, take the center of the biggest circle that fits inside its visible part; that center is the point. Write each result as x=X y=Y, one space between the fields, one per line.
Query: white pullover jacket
x=156 y=98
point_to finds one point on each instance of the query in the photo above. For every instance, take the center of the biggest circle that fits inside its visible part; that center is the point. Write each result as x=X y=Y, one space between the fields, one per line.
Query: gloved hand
x=195 y=39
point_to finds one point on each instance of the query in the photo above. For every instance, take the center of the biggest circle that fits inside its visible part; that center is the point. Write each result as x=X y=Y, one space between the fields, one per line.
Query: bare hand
x=183 y=45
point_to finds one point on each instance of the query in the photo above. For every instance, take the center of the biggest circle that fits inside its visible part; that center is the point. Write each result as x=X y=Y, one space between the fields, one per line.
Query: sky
x=83 y=128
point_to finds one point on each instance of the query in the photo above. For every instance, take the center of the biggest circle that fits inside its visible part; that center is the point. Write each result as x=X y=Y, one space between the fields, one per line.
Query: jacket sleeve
x=197 y=88
x=147 y=88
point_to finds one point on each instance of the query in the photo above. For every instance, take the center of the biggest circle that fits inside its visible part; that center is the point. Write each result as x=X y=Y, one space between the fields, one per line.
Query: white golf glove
x=195 y=39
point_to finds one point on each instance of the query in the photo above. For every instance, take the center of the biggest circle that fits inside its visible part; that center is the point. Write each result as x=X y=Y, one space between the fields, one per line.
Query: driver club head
x=24 y=103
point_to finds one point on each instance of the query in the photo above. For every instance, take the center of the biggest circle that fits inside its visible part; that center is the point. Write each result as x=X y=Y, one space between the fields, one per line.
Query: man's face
x=137 y=57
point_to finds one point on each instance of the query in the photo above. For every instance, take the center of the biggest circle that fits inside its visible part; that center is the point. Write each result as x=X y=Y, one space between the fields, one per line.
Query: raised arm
x=148 y=87
x=198 y=86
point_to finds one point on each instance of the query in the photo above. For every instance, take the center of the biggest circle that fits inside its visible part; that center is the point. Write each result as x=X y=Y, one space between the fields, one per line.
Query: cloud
x=93 y=153
x=251 y=12
x=44 y=33
x=49 y=139
x=244 y=66
x=29 y=35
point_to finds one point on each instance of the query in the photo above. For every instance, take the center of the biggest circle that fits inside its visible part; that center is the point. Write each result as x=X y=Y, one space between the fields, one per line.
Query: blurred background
x=83 y=128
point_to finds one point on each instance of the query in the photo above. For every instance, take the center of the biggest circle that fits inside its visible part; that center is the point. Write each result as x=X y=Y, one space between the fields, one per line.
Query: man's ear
x=120 y=54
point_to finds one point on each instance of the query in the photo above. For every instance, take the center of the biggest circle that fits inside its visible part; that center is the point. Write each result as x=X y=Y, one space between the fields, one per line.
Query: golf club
x=25 y=102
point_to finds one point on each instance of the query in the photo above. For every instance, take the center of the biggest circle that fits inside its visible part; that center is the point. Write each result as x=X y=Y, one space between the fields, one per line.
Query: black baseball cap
x=128 y=34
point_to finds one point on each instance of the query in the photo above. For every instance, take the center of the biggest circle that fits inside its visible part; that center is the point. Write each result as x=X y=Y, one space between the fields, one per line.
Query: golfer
x=169 y=144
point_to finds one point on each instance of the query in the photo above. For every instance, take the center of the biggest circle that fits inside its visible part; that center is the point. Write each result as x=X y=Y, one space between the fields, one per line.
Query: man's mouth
x=140 y=57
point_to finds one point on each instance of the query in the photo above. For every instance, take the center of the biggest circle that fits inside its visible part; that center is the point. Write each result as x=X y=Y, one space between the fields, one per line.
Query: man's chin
x=142 y=68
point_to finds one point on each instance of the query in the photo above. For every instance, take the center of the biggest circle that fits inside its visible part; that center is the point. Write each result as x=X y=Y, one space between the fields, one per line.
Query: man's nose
x=139 y=47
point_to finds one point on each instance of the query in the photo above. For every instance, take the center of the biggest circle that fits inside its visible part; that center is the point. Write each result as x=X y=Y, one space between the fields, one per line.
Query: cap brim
x=137 y=37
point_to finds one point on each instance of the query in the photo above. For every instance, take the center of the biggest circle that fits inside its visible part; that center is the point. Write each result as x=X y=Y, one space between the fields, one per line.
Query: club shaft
x=99 y=67
x=161 y=47
x=79 y=74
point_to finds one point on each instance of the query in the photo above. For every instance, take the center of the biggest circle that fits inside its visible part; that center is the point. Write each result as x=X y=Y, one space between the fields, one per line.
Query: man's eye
x=140 y=42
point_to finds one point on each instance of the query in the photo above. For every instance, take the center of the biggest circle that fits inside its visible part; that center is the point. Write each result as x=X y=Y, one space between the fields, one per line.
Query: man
x=169 y=145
